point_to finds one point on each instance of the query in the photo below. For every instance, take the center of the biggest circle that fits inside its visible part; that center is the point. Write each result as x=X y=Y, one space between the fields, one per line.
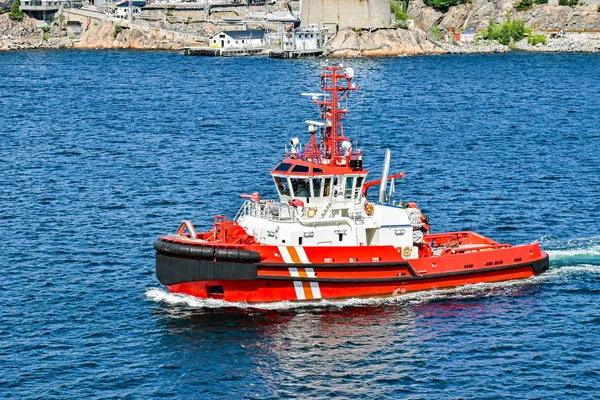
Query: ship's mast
x=337 y=82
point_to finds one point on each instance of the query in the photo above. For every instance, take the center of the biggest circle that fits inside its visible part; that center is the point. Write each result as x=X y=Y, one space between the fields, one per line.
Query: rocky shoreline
x=25 y=35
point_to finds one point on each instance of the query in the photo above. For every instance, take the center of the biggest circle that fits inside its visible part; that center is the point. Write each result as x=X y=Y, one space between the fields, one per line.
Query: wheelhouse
x=296 y=179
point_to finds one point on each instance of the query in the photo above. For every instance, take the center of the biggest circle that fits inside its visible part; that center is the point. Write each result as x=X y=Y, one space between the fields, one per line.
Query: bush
x=540 y=1
x=443 y=5
x=436 y=32
x=45 y=36
x=15 y=11
x=358 y=31
x=45 y=29
x=598 y=8
x=398 y=10
x=118 y=29
x=524 y=5
x=570 y=3
x=536 y=38
x=509 y=31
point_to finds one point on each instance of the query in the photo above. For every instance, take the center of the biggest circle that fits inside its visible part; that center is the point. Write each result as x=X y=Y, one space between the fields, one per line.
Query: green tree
x=15 y=11
x=509 y=31
x=443 y=5
x=524 y=5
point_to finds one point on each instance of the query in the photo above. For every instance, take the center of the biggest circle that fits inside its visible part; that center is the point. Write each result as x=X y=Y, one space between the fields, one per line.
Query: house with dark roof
x=122 y=10
x=238 y=39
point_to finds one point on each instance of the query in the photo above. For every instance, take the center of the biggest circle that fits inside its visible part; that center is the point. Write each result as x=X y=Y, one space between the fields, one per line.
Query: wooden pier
x=295 y=53
x=221 y=52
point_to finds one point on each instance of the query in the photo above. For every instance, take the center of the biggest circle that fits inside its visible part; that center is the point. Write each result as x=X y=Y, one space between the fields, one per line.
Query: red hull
x=288 y=273
x=260 y=291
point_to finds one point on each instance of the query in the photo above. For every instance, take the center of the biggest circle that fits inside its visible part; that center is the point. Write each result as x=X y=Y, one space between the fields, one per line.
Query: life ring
x=407 y=251
x=311 y=212
x=369 y=208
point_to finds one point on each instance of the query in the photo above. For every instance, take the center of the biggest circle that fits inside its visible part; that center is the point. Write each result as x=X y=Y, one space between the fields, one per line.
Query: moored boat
x=323 y=238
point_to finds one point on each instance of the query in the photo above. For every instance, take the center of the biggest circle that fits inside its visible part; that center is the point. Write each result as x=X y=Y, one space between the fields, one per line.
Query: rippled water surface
x=102 y=152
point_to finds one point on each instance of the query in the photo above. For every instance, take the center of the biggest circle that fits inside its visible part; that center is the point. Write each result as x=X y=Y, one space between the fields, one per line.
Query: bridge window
x=348 y=191
x=300 y=168
x=327 y=187
x=316 y=182
x=282 y=185
x=283 y=167
x=300 y=187
x=359 y=182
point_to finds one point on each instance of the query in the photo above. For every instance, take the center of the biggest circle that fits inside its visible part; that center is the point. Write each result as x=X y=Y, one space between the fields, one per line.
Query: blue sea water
x=102 y=152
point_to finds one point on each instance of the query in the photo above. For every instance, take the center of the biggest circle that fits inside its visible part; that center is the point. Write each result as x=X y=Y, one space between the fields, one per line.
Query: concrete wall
x=345 y=13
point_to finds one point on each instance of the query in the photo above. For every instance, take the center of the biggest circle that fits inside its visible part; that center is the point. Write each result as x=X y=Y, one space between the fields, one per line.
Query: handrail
x=186 y=224
x=460 y=250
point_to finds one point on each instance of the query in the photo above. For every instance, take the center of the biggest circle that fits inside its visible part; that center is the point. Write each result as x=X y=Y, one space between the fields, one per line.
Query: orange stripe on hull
x=294 y=255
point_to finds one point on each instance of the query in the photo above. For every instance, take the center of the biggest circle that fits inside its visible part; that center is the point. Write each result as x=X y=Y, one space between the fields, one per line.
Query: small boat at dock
x=324 y=238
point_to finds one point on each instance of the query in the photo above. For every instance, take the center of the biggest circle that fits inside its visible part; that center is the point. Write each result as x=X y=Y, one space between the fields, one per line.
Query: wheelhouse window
x=316 y=183
x=300 y=187
x=357 y=189
x=283 y=167
x=300 y=168
x=327 y=187
x=282 y=185
x=348 y=190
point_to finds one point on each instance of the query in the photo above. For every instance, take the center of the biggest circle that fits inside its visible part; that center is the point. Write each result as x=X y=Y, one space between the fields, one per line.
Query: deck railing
x=271 y=210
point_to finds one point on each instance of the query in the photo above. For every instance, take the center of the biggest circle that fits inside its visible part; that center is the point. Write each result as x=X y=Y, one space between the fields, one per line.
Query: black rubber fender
x=205 y=252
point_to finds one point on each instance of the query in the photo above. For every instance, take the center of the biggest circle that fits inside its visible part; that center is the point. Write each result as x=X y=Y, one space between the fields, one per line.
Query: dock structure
x=221 y=52
x=287 y=54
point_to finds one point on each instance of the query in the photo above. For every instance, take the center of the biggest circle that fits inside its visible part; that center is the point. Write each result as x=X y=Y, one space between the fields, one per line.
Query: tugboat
x=323 y=238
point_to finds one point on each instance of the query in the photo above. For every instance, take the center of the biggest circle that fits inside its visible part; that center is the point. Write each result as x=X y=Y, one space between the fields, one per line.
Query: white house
x=302 y=38
x=467 y=36
x=123 y=8
x=238 y=39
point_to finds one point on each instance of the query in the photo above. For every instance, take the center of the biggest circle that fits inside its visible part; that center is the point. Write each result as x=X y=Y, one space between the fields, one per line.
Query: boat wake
x=575 y=252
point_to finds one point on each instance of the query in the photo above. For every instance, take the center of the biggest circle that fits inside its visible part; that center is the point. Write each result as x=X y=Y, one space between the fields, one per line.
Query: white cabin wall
x=394 y=228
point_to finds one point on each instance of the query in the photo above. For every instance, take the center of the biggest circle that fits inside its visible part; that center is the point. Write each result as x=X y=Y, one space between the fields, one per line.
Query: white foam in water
x=590 y=251
x=583 y=247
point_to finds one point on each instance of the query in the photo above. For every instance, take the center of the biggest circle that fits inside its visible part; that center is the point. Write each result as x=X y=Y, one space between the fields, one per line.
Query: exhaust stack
x=384 y=177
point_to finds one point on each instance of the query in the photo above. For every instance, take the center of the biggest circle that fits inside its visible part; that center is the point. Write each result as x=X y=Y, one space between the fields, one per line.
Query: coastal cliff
x=109 y=36
x=24 y=34
x=478 y=14
x=391 y=42
x=382 y=42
